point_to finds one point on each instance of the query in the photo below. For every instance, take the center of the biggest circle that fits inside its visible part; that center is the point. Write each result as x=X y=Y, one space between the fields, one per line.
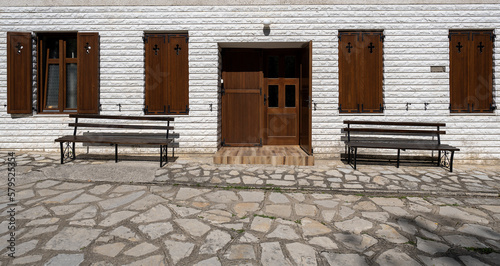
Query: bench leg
x=62 y=152
x=348 y=154
x=399 y=153
x=451 y=161
x=163 y=155
x=355 y=157
x=116 y=153
x=74 y=153
x=439 y=158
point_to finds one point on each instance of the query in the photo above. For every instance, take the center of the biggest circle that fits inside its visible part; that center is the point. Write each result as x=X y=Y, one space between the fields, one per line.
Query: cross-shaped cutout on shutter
x=480 y=46
x=371 y=47
x=349 y=46
x=459 y=46
x=19 y=47
x=177 y=48
x=156 y=49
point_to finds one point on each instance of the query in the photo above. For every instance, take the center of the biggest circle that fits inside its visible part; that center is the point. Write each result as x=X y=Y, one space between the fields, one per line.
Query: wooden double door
x=266 y=97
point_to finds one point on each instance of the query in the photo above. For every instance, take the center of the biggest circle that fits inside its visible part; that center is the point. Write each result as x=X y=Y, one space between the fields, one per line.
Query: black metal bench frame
x=68 y=150
x=445 y=151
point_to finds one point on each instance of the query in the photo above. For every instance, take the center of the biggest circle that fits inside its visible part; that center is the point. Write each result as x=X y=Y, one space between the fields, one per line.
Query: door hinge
x=222 y=89
x=493 y=107
x=145 y=110
x=259 y=144
x=340 y=107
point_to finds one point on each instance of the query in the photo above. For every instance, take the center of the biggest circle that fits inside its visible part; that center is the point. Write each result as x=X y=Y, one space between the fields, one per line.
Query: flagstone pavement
x=193 y=212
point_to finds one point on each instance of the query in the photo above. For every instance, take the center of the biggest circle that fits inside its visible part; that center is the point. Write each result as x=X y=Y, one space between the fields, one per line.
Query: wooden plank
x=115 y=140
x=117 y=117
x=396 y=131
x=384 y=123
x=119 y=126
x=407 y=146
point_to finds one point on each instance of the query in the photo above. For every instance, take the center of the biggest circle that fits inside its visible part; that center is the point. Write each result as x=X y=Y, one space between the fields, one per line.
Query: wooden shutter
x=156 y=74
x=88 y=73
x=370 y=83
x=349 y=72
x=178 y=76
x=459 y=74
x=19 y=73
x=305 y=99
x=481 y=71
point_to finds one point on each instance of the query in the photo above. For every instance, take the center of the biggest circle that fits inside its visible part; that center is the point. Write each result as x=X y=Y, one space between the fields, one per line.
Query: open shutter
x=88 y=73
x=156 y=75
x=481 y=71
x=370 y=84
x=19 y=73
x=305 y=99
x=459 y=74
x=178 y=81
x=349 y=71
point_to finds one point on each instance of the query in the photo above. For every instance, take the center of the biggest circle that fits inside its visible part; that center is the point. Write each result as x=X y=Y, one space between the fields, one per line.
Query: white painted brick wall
x=416 y=39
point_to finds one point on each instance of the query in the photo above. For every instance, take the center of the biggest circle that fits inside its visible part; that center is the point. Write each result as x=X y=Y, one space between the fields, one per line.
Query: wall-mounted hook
x=425 y=106
x=119 y=107
x=315 y=106
x=407 y=104
x=211 y=107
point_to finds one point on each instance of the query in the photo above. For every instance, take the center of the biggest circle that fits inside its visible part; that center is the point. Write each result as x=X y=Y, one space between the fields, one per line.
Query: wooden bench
x=134 y=139
x=397 y=136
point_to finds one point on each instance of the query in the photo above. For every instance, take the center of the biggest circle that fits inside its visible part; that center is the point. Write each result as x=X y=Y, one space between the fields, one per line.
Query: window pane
x=273 y=95
x=71 y=48
x=290 y=67
x=272 y=66
x=290 y=96
x=52 y=99
x=70 y=85
x=53 y=47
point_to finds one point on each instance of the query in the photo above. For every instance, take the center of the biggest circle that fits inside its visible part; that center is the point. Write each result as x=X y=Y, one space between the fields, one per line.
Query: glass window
x=290 y=96
x=290 y=69
x=273 y=95
x=273 y=67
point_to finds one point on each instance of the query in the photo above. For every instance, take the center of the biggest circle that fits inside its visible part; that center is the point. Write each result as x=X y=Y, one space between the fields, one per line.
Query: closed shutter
x=19 y=73
x=459 y=74
x=371 y=64
x=88 y=73
x=349 y=72
x=156 y=74
x=178 y=81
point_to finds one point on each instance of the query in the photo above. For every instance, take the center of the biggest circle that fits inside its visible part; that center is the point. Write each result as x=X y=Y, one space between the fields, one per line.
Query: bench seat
x=123 y=140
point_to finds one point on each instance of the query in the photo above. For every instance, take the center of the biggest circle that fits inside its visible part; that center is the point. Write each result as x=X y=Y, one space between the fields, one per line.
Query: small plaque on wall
x=438 y=69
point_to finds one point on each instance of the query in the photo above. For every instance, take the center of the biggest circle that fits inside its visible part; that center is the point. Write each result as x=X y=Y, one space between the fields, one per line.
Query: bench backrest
x=399 y=131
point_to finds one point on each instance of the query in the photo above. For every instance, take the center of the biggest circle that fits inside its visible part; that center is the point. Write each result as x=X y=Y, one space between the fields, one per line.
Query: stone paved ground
x=192 y=212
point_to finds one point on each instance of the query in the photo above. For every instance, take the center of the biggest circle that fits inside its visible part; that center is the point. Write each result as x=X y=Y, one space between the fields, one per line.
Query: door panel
x=305 y=99
x=241 y=98
x=281 y=111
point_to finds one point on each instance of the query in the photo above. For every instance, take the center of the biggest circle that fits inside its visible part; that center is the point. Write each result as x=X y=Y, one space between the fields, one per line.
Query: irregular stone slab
x=116 y=217
x=355 y=225
x=323 y=242
x=217 y=216
x=248 y=238
x=27 y=260
x=183 y=211
x=88 y=222
x=67 y=209
x=145 y=203
x=25 y=194
x=365 y=206
x=25 y=247
x=345 y=212
x=407 y=226
x=87 y=213
x=431 y=247
x=305 y=210
x=45 y=221
x=495 y=209
x=283 y=211
x=39 y=231
x=252 y=196
x=214 y=242
x=117 y=202
x=125 y=233
x=33 y=213
x=312 y=228
x=193 y=227
x=110 y=250
x=479 y=230
x=157 y=213
x=141 y=250
x=327 y=203
x=464 y=241
x=378 y=216
x=470 y=261
x=85 y=198
x=66 y=259
x=187 y=193
x=244 y=208
x=356 y=242
x=157 y=260
x=209 y=262
x=302 y=254
x=272 y=254
x=178 y=250
x=388 y=202
x=278 y=198
x=72 y=238
x=390 y=234
x=100 y=189
x=64 y=197
x=455 y=213
x=396 y=257
x=128 y=188
x=71 y=186
x=240 y=252
x=156 y=230
x=283 y=232
x=335 y=259
x=443 y=261
x=47 y=184
x=222 y=197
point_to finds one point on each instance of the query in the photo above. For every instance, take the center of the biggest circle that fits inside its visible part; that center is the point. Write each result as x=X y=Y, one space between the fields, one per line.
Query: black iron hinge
x=145 y=110
x=222 y=90
x=382 y=37
x=493 y=107
x=382 y=108
x=340 y=107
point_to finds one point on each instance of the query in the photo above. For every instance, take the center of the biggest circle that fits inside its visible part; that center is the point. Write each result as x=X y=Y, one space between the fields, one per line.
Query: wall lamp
x=267 y=26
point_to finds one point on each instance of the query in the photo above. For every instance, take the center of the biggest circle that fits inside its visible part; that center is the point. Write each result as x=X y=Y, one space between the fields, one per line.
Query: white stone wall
x=416 y=39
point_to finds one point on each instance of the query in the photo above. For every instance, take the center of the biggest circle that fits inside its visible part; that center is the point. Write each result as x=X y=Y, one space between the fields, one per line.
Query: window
x=67 y=72
x=471 y=71
x=360 y=72
x=167 y=80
